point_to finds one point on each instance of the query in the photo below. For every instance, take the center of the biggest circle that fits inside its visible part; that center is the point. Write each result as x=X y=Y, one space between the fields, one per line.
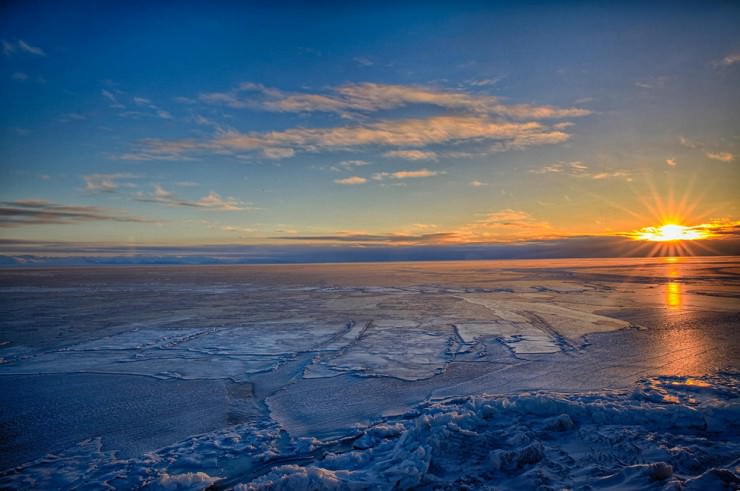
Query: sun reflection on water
x=673 y=288
x=673 y=295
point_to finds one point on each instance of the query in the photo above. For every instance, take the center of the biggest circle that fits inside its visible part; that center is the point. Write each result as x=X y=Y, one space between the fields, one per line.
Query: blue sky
x=184 y=124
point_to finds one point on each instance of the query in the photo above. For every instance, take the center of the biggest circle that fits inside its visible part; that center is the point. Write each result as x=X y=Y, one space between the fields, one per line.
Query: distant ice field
x=255 y=377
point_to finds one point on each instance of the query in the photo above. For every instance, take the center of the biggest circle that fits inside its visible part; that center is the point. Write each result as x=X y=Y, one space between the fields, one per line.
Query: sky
x=183 y=125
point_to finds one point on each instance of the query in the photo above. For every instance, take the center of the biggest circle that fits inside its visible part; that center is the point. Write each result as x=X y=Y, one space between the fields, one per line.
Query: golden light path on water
x=684 y=344
x=673 y=287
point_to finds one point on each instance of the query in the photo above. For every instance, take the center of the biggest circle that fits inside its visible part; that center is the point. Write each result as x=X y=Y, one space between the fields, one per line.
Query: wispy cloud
x=477 y=184
x=362 y=61
x=698 y=145
x=581 y=170
x=351 y=180
x=411 y=154
x=145 y=103
x=396 y=239
x=399 y=133
x=212 y=201
x=607 y=175
x=114 y=103
x=239 y=230
x=370 y=97
x=497 y=227
x=688 y=143
x=405 y=174
x=721 y=156
x=154 y=149
x=465 y=117
x=729 y=60
x=40 y=212
x=106 y=183
x=20 y=46
x=349 y=164
x=69 y=117
x=571 y=168
x=20 y=76
x=672 y=162
x=501 y=226
x=278 y=153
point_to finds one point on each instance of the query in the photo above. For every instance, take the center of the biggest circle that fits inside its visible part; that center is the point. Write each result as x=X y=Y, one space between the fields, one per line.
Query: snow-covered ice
x=614 y=374
x=665 y=433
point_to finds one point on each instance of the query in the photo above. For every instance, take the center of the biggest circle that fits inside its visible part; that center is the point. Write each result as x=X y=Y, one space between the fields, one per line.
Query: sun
x=670 y=232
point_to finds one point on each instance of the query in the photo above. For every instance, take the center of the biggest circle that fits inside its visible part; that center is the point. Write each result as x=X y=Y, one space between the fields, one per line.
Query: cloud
x=501 y=226
x=114 y=103
x=184 y=100
x=579 y=169
x=730 y=59
x=370 y=97
x=239 y=230
x=212 y=201
x=278 y=153
x=657 y=83
x=607 y=175
x=69 y=117
x=362 y=61
x=411 y=155
x=349 y=164
x=721 y=156
x=351 y=180
x=10 y=48
x=20 y=76
x=672 y=162
x=690 y=143
x=477 y=184
x=405 y=174
x=27 y=48
x=695 y=144
x=154 y=149
x=397 y=239
x=571 y=168
x=143 y=102
x=465 y=117
x=106 y=183
x=407 y=132
x=40 y=212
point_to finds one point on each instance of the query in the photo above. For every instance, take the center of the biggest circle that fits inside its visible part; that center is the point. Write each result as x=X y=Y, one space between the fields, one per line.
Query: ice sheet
x=347 y=359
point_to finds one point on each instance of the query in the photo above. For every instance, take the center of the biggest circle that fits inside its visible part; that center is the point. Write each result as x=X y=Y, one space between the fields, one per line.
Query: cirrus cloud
x=720 y=156
x=411 y=154
x=41 y=212
x=212 y=201
x=351 y=180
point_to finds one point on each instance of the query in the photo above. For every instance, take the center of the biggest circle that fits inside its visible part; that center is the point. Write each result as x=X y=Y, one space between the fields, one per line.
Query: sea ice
x=685 y=438
x=475 y=375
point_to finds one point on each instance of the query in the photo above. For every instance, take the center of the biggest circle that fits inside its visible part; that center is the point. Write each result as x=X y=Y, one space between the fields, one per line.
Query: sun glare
x=670 y=232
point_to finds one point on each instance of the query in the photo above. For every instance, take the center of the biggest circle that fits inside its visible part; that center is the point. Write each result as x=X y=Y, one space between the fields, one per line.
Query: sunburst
x=671 y=232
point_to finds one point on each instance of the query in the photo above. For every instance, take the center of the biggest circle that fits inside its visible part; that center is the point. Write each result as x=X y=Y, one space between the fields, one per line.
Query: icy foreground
x=608 y=374
x=667 y=433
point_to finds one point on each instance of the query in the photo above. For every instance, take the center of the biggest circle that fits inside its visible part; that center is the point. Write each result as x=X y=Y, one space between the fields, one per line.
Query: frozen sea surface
x=618 y=374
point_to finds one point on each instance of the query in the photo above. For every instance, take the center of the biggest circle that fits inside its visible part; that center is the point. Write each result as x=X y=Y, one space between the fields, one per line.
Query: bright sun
x=670 y=232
